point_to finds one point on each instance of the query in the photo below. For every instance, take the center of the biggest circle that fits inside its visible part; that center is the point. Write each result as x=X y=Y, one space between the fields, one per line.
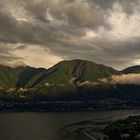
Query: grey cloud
x=62 y=26
x=37 y=9
x=128 y=6
x=118 y=54
x=6 y=21
x=20 y=47
x=76 y=19
x=6 y=55
x=16 y=31
x=75 y=14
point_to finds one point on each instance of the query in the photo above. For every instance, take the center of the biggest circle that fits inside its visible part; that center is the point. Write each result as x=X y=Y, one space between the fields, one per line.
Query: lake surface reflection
x=47 y=126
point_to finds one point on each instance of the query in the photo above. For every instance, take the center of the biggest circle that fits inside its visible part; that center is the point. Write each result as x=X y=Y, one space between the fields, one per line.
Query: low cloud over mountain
x=133 y=79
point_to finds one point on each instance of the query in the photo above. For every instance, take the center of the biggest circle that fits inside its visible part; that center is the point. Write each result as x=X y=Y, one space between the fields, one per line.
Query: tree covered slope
x=8 y=77
x=67 y=72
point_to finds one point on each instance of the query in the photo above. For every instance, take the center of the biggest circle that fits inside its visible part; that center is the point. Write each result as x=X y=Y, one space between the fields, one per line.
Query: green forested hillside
x=8 y=77
x=67 y=72
x=68 y=85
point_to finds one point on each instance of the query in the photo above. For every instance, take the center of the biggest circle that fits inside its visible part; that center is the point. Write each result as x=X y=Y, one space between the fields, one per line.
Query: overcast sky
x=41 y=33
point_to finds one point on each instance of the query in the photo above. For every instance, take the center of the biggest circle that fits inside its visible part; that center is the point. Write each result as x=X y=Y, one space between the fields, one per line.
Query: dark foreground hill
x=127 y=129
x=123 y=129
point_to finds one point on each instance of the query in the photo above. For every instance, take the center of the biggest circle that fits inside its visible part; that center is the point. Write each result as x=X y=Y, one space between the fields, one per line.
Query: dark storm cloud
x=6 y=55
x=38 y=10
x=128 y=6
x=118 y=54
x=61 y=26
x=69 y=19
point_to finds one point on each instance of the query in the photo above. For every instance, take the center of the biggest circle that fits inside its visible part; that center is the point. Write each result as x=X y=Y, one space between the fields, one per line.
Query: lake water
x=46 y=126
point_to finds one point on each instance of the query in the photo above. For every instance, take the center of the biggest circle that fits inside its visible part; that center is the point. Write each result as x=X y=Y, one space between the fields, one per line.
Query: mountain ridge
x=68 y=85
x=62 y=72
x=132 y=69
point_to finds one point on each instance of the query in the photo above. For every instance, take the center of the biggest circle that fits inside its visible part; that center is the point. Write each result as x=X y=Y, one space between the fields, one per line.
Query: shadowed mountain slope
x=133 y=69
x=8 y=77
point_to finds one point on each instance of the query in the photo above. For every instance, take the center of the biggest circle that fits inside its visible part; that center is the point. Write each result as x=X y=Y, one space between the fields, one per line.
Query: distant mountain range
x=133 y=69
x=82 y=83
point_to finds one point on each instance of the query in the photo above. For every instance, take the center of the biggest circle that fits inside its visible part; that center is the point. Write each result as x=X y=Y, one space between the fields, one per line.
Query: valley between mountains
x=69 y=86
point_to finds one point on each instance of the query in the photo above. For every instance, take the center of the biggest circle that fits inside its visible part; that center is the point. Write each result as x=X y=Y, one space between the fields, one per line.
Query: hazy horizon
x=41 y=33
